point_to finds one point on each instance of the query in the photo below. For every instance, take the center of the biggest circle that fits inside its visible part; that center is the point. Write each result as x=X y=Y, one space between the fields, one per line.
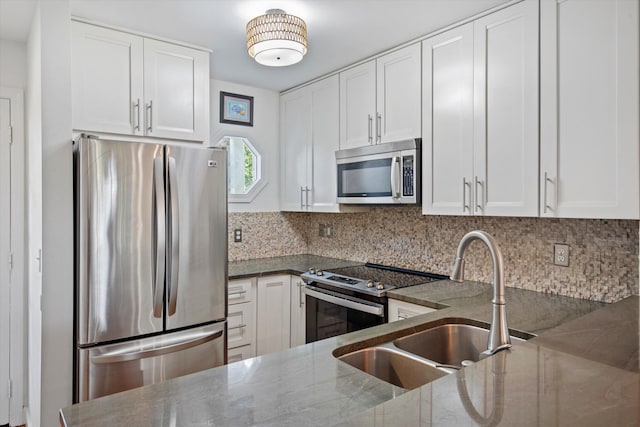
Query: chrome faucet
x=499 y=333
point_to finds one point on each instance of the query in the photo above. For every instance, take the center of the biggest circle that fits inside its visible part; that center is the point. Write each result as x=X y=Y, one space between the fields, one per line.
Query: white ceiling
x=340 y=32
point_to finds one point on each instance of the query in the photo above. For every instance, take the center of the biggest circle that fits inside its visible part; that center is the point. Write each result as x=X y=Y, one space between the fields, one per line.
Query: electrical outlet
x=322 y=230
x=237 y=235
x=328 y=230
x=561 y=254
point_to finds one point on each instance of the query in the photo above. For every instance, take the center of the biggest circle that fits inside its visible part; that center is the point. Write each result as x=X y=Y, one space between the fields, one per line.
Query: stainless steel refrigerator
x=150 y=263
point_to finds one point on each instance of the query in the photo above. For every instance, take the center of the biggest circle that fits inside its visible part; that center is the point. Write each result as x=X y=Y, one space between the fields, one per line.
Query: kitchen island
x=535 y=383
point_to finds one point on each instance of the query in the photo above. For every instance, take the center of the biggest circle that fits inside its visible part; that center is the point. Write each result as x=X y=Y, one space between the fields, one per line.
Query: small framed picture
x=236 y=109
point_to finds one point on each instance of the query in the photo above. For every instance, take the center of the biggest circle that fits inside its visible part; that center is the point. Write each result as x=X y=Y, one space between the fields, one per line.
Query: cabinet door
x=398 y=95
x=447 y=116
x=506 y=112
x=325 y=118
x=273 y=314
x=107 y=80
x=295 y=137
x=589 y=111
x=358 y=106
x=241 y=324
x=176 y=91
x=298 y=309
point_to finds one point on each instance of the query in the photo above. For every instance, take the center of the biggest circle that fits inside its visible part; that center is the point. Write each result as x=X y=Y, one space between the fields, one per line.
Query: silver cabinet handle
x=160 y=237
x=300 y=293
x=479 y=200
x=395 y=177
x=301 y=197
x=370 y=127
x=150 y=116
x=174 y=235
x=237 y=327
x=237 y=293
x=136 y=115
x=465 y=205
x=378 y=128
x=546 y=207
x=306 y=190
x=127 y=354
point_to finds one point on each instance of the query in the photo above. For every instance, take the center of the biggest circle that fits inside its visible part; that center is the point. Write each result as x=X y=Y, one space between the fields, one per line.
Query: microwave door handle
x=395 y=177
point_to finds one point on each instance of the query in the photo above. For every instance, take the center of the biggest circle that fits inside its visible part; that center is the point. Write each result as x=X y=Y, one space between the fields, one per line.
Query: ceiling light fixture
x=276 y=39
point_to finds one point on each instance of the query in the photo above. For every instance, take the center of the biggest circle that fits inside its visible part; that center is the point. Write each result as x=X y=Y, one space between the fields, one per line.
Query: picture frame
x=236 y=109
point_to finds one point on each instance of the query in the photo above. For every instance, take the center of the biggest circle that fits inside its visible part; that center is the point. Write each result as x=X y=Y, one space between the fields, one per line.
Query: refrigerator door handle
x=160 y=236
x=128 y=353
x=174 y=236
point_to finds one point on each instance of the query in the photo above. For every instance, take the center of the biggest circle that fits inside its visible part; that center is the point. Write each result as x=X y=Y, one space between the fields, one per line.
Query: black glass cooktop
x=393 y=276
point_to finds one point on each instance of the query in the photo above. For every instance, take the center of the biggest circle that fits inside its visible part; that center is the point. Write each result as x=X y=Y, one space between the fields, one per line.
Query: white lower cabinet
x=241 y=315
x=400 y=310
x=273 y=314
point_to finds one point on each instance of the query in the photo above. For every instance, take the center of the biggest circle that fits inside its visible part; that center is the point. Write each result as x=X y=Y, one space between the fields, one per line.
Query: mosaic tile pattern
x=603 y=253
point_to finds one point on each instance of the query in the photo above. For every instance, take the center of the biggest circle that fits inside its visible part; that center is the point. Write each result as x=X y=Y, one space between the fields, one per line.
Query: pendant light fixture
x=277 y=39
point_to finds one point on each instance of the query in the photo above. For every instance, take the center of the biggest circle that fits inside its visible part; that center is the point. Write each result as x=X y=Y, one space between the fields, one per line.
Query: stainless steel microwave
x=380 y=174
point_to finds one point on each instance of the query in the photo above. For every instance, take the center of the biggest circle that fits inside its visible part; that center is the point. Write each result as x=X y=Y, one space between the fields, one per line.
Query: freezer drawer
x=117 y=367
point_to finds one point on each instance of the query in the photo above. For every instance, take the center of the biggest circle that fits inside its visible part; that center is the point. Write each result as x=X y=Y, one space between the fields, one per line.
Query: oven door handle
x=369 y=307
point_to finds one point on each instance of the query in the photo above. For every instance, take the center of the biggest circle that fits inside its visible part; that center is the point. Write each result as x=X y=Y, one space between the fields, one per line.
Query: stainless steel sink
x=449 y=344
x=421 y=357
x=393 y=367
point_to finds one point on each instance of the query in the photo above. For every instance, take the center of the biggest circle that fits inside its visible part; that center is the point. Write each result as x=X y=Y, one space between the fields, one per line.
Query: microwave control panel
x=407 y=175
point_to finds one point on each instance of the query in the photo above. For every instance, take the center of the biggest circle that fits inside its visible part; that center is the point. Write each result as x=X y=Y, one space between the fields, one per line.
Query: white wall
x=264 y=135
x=33 y=171
x=49 y=141
x=13 y=64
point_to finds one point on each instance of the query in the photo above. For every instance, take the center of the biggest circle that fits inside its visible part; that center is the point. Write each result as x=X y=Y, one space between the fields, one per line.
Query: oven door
x=330 y=314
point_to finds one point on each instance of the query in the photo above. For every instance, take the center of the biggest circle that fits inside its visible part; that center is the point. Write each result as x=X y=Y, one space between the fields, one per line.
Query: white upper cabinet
x=107 y=80
x=480 y=116
x=309 y=138
x=589 y=109
x=131 y=85
x=506 y=112
x=447 y=144
x=398 y=95
x=380 y=99
x=176 y=91
x=358 y=105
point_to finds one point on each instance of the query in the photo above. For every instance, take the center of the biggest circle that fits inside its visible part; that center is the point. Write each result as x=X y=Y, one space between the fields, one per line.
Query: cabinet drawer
x=241 y=353
x=399 y=310
x=241 y=324
x=241 y=290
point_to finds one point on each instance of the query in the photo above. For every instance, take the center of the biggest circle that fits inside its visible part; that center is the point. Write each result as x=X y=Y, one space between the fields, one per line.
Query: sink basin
x=421 y=357
x=448 y=344
x=393 y=367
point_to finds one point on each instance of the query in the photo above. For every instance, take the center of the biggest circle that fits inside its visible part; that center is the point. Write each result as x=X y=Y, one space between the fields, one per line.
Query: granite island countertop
x=306 y=385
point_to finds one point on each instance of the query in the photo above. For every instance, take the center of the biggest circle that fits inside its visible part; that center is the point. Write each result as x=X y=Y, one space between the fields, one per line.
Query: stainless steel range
x=353 y=298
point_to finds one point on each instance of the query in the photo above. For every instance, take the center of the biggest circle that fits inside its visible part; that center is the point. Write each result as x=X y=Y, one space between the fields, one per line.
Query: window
x=245 y=178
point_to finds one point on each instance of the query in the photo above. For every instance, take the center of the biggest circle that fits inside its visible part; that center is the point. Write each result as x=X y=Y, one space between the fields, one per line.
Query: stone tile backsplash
x=603 y=254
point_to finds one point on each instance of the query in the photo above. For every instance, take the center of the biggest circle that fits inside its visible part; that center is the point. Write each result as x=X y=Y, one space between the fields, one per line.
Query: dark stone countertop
x=532 y=384
x=292 y=264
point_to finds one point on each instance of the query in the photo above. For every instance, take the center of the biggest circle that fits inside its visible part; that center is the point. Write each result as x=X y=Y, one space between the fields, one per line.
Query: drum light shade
x=277 y=39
